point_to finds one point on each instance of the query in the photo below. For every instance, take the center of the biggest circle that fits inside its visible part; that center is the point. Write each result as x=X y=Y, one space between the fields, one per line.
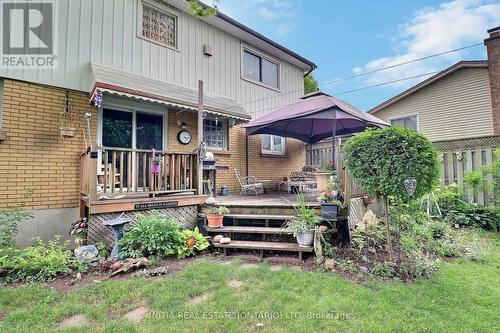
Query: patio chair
x=249 y=184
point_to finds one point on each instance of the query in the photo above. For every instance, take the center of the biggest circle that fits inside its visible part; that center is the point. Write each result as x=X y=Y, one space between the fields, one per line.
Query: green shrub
x=152 y=235
x=39 y=262
x=417 y=265
x=193 y=241
x=8 y=226
x=373 y=236
x=103 y=249
x=384 y=269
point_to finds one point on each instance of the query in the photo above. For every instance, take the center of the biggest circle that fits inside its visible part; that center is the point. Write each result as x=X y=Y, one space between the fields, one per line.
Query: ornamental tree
x=380 y=160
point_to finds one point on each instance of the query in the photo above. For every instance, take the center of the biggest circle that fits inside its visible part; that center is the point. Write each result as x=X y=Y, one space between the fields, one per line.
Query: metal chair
x=249 y=184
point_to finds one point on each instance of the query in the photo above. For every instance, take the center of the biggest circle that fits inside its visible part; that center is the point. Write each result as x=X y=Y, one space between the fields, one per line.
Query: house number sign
x=155 y=205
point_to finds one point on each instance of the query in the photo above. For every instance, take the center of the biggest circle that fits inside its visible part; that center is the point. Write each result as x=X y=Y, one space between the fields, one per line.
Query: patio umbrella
x=311 y=119
x=315 y=117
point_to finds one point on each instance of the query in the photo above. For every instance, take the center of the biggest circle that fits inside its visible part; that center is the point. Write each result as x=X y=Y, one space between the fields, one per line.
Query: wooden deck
x=276 y=200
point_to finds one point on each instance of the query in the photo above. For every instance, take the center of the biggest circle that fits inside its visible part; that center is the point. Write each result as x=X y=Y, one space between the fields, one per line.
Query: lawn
x=463 y=297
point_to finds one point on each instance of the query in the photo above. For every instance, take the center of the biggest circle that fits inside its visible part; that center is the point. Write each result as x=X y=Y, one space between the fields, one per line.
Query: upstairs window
x=273 y=144
x=215 y=133
x=159 y=26
x=406 y=122
x=260 y=69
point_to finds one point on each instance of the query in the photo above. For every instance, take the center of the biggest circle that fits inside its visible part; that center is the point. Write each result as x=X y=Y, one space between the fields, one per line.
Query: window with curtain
x=273 y=144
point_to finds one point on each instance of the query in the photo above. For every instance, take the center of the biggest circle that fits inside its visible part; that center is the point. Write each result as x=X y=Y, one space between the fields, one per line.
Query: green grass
x=463 y=297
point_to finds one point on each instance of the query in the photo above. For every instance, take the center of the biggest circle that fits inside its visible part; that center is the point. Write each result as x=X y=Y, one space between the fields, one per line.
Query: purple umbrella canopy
x=311 y=119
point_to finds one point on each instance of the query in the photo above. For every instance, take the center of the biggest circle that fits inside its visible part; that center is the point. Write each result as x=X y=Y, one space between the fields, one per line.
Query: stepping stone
x=249 y=266
x=198 y=299
x=276 y=268
x=137 y=315
x=73 y=321
x=235 y=283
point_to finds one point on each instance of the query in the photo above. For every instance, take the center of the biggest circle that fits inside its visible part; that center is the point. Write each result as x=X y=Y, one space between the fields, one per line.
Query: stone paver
x=137 y=315
x=73 y=321
x=198 y=299
x=235 y=283
x=276 y=268
x=249 y=266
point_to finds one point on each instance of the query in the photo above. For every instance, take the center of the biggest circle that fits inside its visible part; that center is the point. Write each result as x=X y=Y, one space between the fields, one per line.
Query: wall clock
x=184 y=137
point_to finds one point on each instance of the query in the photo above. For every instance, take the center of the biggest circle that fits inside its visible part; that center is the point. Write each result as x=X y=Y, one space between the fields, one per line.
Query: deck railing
x=123 y=171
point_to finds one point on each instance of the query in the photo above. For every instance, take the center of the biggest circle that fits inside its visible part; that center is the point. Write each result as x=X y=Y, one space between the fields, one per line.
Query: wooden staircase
x=252 y=232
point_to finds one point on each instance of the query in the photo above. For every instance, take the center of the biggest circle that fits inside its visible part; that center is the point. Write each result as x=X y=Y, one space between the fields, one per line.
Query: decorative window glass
x=215 y=133
x=159 y=26
x=406 y=122
x=273 y=144
x=257 y=68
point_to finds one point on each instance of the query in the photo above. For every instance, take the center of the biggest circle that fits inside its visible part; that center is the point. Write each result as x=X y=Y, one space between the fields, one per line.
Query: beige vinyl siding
x=456 y=107
x=105 y=32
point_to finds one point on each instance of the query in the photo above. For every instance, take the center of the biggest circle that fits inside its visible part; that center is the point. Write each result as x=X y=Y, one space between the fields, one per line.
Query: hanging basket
x=67 y=132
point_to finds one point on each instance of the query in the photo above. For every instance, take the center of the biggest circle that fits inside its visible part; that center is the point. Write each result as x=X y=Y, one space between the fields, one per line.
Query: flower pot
x=67 y=132
x=80 y=239
x=215 y=221
x=306 y=238
x=329 y=211
x=322 y=179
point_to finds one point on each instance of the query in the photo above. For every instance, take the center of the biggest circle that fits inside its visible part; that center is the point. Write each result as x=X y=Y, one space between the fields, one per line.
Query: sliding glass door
x=132 y=130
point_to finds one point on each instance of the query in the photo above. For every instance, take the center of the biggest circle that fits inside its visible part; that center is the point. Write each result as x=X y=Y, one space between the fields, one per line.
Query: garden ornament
x=410 y=185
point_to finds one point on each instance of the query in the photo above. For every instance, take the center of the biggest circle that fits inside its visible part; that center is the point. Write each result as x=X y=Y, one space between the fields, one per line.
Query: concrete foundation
x=45 y=224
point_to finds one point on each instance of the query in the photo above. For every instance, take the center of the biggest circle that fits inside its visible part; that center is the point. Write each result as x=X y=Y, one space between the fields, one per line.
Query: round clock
x=184 y=137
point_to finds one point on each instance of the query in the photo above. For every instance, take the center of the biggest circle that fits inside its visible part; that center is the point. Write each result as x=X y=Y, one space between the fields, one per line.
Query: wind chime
x=67 y=120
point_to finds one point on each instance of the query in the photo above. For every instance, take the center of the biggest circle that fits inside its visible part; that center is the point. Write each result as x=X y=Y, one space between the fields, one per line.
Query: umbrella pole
x=334 y=133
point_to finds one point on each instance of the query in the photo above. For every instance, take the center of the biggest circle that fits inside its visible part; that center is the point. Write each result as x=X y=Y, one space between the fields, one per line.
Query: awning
x=113 y=81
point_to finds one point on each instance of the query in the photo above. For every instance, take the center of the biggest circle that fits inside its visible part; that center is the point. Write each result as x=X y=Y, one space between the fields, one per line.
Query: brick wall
x=493 y=50
x=34 y=157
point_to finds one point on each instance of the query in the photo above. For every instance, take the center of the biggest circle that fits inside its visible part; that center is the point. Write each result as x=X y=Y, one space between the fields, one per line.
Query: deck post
x=92 y=174
x=199 y=172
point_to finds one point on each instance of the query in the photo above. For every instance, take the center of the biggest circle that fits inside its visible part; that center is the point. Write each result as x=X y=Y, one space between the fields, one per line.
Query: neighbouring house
x=458 y=109
x=78 y=139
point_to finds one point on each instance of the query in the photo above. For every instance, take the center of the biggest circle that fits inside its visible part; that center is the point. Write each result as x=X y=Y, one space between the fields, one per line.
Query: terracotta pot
x=322 y=179
x=215 y=221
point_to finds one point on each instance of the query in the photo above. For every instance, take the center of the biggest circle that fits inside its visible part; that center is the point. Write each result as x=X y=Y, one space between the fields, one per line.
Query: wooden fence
x=456 y=163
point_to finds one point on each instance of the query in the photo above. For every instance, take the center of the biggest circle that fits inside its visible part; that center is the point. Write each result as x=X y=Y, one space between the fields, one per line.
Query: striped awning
x=112 y=81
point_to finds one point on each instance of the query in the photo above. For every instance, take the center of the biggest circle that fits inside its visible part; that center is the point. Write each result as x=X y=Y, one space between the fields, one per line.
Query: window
x=118 y=129
x=410 y=122
x=273 y=144
x=159 y=26
x=215 y=133
x=260 y=69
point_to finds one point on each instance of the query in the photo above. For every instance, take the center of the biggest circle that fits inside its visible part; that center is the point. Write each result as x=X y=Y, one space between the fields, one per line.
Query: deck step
x=248 y=230
x=272 y=246
x=256 y=217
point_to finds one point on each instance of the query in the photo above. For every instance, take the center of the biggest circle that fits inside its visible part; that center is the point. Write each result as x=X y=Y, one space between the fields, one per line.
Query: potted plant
x=329 y=204
x=302 y=226
x=79 y=229
x=215 y=216
x=323 y=177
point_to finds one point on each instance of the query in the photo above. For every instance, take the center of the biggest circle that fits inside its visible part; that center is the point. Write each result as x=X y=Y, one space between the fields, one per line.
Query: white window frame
x=262 y=56
x=163 y=9
x=133 y=110
x=406 y=116
x=225 y=134
x=271 y=141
